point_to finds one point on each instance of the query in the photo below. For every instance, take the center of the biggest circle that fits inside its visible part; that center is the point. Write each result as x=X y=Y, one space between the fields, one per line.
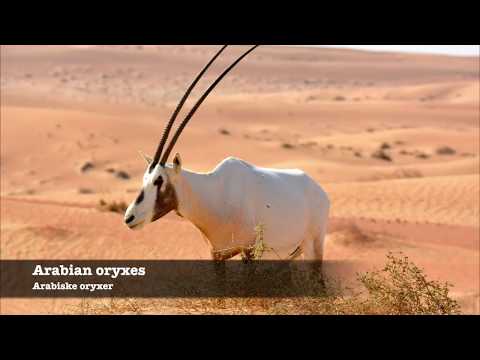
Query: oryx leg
x=227 y=254
x=319 y=247
x=220 y=278
x=219 y=257
x=313 y=258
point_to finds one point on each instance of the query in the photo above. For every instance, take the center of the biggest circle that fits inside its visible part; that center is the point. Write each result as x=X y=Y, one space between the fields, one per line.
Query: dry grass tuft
x=400 y=288
x=116 y=207
x=224 y=132
x=288 y=146
x=112 y=306
x=445 y=150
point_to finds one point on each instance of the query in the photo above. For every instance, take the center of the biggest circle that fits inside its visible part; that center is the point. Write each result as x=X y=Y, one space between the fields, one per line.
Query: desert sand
x=393 y=138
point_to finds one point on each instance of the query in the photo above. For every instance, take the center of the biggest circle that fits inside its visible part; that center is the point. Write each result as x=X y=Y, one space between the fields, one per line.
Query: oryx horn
x=169 y=125
x=197 y=105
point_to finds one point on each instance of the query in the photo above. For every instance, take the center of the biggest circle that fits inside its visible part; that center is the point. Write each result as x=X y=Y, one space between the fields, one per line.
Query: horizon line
x=474 y=51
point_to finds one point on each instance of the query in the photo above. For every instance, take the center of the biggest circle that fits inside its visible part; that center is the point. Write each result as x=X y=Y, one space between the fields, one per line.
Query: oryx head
x=157 y=196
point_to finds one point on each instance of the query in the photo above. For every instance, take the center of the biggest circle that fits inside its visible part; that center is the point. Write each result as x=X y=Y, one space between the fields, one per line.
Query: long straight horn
x=197 y=105
x=168 y=127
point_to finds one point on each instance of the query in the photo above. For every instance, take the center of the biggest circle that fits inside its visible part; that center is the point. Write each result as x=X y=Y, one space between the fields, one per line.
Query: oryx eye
x=158 y=182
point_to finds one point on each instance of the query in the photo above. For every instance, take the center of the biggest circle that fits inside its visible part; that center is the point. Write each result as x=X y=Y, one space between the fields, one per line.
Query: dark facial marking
x=166 y=201
x=158 y=182
x=140 y=198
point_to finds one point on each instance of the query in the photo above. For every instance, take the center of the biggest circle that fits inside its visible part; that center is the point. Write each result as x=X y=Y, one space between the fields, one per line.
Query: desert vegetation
x=410 y=181
x=112 y=206
x=399 y=288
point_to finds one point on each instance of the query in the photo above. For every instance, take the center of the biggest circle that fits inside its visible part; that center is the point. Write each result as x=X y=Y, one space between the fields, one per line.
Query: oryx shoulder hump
x=233 y=162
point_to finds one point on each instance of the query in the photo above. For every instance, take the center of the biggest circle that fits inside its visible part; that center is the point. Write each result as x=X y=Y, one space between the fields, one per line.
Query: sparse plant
x=123 y=175
x=113 y=206
x=422 y=156
x=85 y=191
x=382 y=155
x=224 y=132
x=260 y=247
x=288 y=146
x=446 y=150
x=399 y=288
x=402 y=288
x=112 y=306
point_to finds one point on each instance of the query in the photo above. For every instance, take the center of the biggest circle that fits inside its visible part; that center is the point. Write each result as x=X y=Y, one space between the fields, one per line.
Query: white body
x=228 y=203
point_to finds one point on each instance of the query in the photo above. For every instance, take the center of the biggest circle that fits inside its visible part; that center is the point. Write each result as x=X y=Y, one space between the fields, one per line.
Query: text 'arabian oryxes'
x=229 y=202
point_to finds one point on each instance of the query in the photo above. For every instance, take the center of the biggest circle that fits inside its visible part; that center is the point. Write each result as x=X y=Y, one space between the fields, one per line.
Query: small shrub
x=116 y=207
x=113 y=306
x=87 y=166
x=445 y=150
x=309 y=144
x=288 y=146
x=401 y=288
x=340 y=98
x=123 y=175
x=382 y=155
x=85 y=191
x=422 y=156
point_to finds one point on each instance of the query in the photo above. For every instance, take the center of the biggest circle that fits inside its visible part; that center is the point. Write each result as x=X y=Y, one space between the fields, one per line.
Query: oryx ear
x=147 y=158
x=177 y=163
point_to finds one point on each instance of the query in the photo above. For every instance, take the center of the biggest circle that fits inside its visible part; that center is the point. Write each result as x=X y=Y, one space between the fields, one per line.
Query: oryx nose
x=130 y=219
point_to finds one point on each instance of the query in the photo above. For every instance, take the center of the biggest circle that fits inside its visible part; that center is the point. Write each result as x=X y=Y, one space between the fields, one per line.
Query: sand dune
x=73 y=119
x=452 y=200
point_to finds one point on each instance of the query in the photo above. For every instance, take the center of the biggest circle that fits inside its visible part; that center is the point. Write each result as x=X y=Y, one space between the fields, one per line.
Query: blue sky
x=460 y=50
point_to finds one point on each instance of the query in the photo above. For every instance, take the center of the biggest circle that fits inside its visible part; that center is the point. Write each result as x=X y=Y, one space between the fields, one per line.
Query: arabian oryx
x=229 y=202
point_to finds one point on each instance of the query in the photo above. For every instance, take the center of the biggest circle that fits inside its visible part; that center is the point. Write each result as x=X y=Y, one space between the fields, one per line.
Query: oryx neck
x=197 y=195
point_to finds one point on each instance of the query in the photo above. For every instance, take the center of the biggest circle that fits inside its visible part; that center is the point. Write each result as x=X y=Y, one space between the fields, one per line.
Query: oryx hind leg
x=220 y=279
x=296 y=253
x=319 y=250
x=313 y=259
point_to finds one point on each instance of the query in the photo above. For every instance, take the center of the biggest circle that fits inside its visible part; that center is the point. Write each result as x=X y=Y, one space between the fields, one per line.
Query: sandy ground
x=324 y=111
